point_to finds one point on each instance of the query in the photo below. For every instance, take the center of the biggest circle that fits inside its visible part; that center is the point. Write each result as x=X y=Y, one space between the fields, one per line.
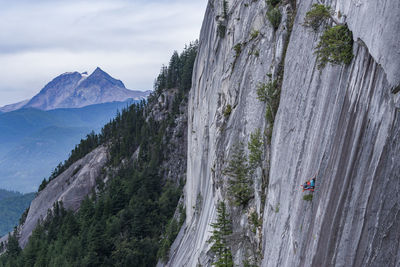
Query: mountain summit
x=75 y=90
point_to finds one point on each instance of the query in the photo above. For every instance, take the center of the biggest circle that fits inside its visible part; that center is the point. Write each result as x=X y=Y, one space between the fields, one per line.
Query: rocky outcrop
x=174 y=164
x=70 y=188
x=341 y=123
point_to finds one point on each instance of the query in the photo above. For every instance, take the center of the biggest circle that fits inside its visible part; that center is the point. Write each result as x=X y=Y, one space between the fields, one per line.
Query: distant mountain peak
x=99 y=72
x=103 y=78
x=98 y=69
x=75 y=90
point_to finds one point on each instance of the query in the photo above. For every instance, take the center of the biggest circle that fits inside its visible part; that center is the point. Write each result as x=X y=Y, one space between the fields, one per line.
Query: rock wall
x=70 y=187
x=341 y=123
x=224 y=78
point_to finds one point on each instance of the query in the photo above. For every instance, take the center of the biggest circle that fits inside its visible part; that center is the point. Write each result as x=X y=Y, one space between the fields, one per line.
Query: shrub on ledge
x=274 y=16
x=316 y=16
x=308 y=197
x=335 y=46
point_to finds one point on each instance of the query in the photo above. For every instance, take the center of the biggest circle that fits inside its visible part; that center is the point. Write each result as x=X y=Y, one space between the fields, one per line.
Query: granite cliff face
x=341 y=123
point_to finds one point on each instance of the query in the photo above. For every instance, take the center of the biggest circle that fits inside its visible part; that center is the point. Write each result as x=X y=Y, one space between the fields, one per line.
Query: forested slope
x=129 y=219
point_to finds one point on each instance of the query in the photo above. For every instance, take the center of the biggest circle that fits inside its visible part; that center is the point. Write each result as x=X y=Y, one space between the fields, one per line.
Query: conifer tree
x=255 y=147
x=240 y=183
x=13 y=248
x=173 y=71
x=222 y=229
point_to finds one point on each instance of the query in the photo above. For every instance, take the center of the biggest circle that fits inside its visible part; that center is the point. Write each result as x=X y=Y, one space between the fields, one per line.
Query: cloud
x=129 y=39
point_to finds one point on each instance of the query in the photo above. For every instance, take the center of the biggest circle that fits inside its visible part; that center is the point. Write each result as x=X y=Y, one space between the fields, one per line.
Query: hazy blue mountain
x=33 y=142
x=76 y=90
x=14 y=106
x=6 y=194
x=12 y=205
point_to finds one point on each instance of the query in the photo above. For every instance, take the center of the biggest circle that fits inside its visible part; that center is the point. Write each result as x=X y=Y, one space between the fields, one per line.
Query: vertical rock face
x=341 y=123
x=225 y=77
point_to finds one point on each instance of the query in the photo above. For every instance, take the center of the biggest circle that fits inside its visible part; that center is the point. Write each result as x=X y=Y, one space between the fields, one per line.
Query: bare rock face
x=224 y=77
x=341 y=123
x=71 y=187
x=376 y=23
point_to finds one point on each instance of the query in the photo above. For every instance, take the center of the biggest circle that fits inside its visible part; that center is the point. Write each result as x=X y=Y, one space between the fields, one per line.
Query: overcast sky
x=129 y=39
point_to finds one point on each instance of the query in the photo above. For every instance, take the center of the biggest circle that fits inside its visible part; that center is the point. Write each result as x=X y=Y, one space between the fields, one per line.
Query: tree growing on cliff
x=239 y=172
x=335 y=46
x=222 y=229
x=255 y=146
x=269 y=93
x=274 y=16
x=225 y=8
x=317 y=15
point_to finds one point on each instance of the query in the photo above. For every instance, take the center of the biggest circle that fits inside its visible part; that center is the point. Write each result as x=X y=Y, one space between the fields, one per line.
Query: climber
x=309 y=185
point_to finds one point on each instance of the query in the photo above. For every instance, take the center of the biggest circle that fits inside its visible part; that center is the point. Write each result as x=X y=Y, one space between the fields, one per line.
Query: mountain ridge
x=76 y=90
